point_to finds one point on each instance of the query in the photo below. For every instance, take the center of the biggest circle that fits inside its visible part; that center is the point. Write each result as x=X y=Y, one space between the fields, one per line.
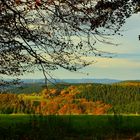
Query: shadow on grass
x=68 y=127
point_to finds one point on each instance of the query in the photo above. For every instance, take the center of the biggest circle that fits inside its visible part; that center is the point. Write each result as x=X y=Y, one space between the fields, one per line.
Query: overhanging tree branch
x=57 y=33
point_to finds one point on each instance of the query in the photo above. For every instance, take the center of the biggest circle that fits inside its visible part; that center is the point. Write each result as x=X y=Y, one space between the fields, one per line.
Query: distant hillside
x=26 y=88
x=36 y=85
x=130 y=83
x=103 y=81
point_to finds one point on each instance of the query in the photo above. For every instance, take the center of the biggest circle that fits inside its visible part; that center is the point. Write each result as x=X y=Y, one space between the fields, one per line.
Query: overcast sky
x=124 y=65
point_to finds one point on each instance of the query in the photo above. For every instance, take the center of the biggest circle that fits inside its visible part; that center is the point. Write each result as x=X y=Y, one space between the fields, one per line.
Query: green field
x=68 y=127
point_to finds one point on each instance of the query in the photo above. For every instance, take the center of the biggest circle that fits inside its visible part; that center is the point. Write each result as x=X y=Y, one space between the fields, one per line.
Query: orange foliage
x=47 y=93
x=65 y=102
x=63 y=92
x=43 y=103
x=101 y=108
x=53 y=91
x=69 y=109
x=51 y=108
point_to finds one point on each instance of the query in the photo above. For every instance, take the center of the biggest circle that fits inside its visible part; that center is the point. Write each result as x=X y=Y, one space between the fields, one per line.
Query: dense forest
x=120 y=98
x=124 y=97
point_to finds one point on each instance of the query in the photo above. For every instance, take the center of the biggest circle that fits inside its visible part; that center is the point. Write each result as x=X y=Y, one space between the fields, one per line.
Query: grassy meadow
x=65 y=127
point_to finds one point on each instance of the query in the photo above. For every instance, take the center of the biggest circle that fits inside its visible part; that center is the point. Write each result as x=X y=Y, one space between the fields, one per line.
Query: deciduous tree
x=48 y=34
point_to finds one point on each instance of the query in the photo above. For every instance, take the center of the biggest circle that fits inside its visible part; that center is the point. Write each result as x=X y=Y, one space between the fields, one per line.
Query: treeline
x=123 y=98
x=13 y=103
x=51 y=102
x=75 y=99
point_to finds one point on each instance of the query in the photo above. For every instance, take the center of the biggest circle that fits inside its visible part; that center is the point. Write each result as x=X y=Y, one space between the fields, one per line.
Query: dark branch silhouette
x=48 y=34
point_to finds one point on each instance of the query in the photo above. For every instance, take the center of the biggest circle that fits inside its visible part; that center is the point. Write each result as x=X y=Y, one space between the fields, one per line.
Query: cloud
x=113 y=62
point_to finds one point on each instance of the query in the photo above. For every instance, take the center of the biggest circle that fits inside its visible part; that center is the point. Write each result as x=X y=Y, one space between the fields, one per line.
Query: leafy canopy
x=48 y=34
